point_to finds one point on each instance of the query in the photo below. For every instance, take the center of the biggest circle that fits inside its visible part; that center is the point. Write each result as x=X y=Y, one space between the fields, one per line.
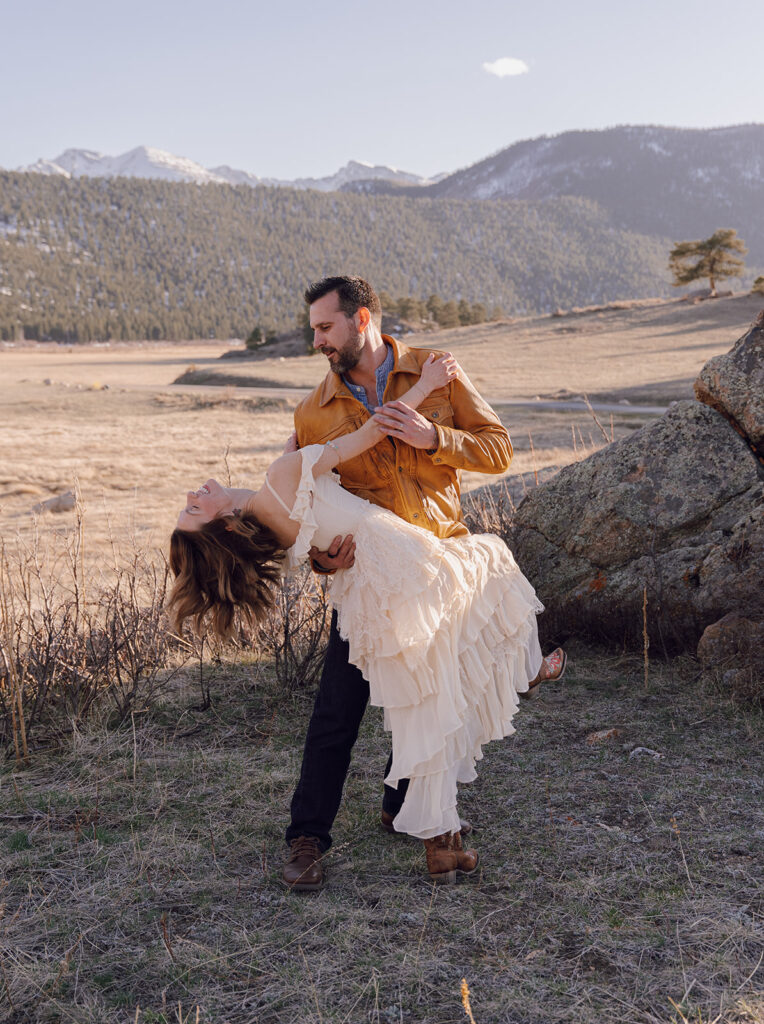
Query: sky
x=298 y=88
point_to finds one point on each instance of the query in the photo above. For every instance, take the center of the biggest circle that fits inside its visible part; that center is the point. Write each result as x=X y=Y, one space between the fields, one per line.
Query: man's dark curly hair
x=352 y=293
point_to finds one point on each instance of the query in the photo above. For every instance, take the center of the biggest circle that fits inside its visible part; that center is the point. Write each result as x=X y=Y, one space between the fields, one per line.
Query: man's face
x=335 y=334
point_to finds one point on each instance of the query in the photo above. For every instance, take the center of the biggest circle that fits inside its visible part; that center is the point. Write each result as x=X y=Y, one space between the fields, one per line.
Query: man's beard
x=349 y=356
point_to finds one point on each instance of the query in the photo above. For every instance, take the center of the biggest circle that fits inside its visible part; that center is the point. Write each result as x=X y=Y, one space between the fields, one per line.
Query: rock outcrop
x=60 y=503
x=675 y=511
x=733 y=384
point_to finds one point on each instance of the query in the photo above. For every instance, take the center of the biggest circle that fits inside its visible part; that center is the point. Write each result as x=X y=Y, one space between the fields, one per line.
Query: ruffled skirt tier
x=445 y=633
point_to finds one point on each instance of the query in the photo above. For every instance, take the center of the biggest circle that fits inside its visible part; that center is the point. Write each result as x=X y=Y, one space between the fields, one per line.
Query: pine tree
x=387 y=302
x=465 y=312
x=478 y=313
x=710 y=257
x=408 y=308
x=434 y=307
x=449 y=314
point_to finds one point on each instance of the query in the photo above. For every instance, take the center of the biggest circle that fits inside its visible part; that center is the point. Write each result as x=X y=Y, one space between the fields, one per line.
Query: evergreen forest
x=124 y=258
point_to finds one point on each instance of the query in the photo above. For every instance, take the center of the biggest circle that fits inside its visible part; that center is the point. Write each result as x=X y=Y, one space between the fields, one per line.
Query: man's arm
x=477 y=441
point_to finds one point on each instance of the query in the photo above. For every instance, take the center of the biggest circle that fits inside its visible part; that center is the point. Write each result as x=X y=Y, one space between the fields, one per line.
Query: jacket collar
x=405 y=362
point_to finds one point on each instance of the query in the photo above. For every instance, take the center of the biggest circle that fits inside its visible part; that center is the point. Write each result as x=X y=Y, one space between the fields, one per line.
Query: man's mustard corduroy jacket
x=420 y=486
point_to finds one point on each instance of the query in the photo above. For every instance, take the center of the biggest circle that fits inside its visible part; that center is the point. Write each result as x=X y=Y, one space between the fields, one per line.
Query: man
x=413 y=473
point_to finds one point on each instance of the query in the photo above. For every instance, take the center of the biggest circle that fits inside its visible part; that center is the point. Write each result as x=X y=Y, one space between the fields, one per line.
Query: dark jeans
x=342 y=697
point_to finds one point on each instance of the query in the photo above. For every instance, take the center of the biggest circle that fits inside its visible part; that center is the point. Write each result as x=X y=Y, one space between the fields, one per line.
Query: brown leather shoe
x=386 y=821
x=303 y=870
x=467 y=861
x=441 y=859
x=447 y=858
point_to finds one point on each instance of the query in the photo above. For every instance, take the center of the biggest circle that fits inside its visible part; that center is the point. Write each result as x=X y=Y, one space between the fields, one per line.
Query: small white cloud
x=505 y=66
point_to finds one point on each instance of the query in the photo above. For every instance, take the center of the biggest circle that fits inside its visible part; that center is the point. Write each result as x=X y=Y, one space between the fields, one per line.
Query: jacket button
x=434 y=415
x=416 y=515
x=400 y=469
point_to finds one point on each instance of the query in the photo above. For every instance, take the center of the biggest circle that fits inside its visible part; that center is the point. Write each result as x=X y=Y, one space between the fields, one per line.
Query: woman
x=443 y=630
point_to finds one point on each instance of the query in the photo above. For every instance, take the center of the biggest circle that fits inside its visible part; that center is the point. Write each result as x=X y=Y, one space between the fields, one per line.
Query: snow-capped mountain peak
x=148 y=162
x=141 y=162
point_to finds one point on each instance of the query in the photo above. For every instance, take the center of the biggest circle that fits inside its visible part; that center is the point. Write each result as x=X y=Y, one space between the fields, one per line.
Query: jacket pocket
x=346 y=426
x=437 y=409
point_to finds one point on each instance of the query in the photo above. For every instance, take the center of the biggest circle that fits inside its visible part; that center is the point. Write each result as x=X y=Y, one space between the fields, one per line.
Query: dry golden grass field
x=141 y=842
x=110 y=422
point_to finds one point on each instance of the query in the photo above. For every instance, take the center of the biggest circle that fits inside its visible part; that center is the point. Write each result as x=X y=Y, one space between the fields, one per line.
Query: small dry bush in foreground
x=490 y=511
x=74 y=646
x=71 y=645
x=294 y=635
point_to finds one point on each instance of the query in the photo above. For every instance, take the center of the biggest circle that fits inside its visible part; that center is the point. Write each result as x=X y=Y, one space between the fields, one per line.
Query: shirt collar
x=404 y=361
x=382 y=373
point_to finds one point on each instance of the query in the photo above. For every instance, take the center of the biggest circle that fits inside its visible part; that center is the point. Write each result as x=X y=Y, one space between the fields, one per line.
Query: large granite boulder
x=733 y=384
x=675 y=509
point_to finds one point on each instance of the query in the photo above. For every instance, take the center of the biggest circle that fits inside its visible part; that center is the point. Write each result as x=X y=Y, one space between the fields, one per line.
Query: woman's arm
x=436 y=373
x=286 y=470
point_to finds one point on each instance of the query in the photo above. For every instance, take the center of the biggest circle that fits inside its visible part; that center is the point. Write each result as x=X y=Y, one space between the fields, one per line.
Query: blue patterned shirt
x=382 y=373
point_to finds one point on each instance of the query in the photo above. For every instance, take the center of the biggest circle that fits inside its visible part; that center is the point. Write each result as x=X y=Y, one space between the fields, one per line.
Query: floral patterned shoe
x=552 y=668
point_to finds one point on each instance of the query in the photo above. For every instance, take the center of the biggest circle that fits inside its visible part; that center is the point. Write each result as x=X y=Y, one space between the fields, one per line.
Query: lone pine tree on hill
x=710 y=257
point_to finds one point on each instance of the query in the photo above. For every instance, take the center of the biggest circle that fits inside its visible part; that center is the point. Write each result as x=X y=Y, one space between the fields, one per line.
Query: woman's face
x=208 y=502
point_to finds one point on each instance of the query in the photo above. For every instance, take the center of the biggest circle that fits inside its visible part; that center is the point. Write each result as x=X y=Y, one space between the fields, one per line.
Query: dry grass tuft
x=295 y=633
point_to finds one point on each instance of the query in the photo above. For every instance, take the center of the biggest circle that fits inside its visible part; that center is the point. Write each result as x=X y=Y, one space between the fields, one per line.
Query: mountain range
x=672 y=182
x=147 y=162
x=101 y=247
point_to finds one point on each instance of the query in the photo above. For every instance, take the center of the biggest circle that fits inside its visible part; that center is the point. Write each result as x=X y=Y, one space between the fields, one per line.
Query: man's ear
x=364 y=318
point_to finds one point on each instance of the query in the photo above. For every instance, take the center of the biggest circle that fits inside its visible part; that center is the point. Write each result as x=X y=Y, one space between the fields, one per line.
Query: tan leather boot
x=441 y=859
x=467 y=861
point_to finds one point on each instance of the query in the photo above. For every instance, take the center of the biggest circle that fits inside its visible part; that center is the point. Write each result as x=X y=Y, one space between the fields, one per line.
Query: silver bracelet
x=331 y=444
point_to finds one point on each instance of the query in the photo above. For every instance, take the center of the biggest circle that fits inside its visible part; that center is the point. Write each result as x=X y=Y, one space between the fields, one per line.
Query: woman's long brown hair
x=228 y=563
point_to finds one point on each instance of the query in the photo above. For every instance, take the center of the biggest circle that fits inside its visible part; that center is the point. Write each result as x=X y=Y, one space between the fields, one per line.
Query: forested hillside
x=128 y=258
x=678 y=182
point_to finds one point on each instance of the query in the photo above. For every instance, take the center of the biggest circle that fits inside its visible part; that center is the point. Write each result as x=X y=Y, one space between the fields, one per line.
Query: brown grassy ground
x=141 y=869
x=135 y=448
x=646 y=351
x=141 y=865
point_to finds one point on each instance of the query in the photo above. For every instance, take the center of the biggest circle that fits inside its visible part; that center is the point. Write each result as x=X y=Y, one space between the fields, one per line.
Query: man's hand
x=340 y=555
x=291 y=444
x=400 y=421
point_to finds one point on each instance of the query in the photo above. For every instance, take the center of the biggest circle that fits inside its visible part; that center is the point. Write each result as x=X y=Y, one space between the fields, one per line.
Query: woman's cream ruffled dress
x=443 y=630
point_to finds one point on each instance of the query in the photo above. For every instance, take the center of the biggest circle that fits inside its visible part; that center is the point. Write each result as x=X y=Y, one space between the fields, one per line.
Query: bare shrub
x=70 y=644
x=294 y=634
x=490 y=510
